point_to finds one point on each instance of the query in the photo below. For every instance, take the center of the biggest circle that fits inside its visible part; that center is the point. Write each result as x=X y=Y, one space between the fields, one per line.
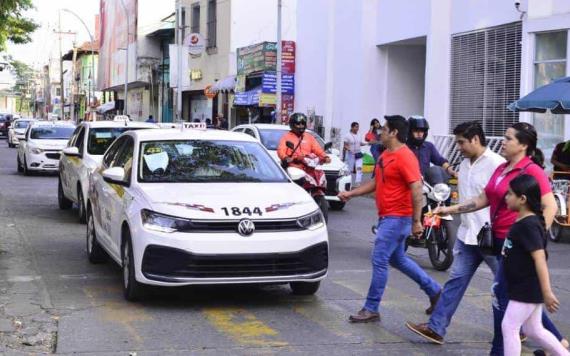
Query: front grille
x=331 y=183
x=52 y=155
x=165 y=262
x=232 y=225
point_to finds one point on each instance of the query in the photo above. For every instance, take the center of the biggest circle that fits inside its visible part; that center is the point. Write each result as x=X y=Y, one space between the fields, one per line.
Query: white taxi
x=337 y=172
x=83 y=154
x=17 y=131
x=181 y=207
x=41 y=146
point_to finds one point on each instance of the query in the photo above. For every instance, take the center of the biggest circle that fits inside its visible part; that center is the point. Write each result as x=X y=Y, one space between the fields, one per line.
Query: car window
x=21 y=124
x=73 y=137
x=79 y=140
x=51 y=132
x=206 y=161
x=238 y=129
x=249 y=132
x=112 y=151
x=318 y=138
x=124 y=157
x=270 y=138
x=101 y=138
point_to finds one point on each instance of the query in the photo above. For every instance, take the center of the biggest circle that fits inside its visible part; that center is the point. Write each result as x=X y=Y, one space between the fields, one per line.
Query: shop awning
x=248 y=98
x=108 y=106
x=225 y=85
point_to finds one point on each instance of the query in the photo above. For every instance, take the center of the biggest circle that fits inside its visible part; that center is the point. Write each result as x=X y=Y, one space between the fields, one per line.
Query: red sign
x=287 y=107
x=288 y=57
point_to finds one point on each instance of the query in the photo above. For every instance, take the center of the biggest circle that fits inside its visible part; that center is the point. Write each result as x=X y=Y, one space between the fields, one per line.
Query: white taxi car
x=17 y=131
x=41 y=146
x=83 y=154
x=337 y=172
x=181 y=207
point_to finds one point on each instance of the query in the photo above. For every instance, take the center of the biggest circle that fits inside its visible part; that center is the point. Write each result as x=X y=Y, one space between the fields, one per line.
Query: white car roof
x=189 y=134
x=25 y=119
x=268 y=126
x=107 y=123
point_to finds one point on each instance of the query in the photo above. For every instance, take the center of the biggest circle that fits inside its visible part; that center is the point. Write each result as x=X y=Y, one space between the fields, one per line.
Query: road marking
x=242 y=326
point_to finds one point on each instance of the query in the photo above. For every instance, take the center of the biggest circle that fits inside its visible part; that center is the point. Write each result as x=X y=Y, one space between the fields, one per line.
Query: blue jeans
x=466 y=260
x=500 y=302
x=389 y=249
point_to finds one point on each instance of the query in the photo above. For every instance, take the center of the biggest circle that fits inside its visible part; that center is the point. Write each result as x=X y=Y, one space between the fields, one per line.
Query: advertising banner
x=269 y=83
x=263 y=57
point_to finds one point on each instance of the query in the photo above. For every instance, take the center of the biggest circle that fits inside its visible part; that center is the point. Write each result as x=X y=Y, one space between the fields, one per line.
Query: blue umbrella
x=554 y=97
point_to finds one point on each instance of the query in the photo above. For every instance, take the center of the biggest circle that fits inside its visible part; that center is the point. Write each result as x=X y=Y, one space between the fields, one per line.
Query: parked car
x=17 y=131
x=182 y=207
x=337 y=173
x=5 y=120
x=83 y=155
x=40 y=148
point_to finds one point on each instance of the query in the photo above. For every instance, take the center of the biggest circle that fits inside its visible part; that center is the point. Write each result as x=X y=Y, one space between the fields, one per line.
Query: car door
x=70 y=166
x=23 y=145
x=102 y=194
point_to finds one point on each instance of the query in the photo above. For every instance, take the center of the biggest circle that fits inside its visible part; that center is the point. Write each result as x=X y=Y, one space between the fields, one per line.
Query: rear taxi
x=195 y=206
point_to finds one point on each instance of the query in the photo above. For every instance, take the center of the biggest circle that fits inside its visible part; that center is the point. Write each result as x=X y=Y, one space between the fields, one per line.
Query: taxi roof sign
x=121 y=118
x=195 y=125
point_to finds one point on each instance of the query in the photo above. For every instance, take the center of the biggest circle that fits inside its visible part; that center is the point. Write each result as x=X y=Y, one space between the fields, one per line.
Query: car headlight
x=163 y=223
x=312 y=221
x=344 y=171
x=36 y=150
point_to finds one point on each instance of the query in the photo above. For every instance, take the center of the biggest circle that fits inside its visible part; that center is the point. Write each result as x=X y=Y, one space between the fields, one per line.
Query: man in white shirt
x=353 y=154
x=475 y=171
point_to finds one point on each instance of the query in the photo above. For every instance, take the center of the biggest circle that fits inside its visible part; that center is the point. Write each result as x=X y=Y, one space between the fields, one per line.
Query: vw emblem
x=246 y=227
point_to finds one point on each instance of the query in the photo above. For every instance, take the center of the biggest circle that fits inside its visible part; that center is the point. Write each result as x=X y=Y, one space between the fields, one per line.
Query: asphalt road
x=53 y=300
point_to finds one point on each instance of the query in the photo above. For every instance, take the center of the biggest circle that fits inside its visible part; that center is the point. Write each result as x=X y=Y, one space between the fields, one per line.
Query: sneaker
x=364 y=316
x=426 y=332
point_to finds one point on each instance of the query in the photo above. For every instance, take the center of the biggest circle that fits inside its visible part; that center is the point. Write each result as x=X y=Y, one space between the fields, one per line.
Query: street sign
x=195 y=43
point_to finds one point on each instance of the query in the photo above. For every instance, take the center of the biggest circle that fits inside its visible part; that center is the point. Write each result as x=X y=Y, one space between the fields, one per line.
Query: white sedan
x=182 y=207
x=337 y=173
x=41 y=146
x=17 y=131
x=83 y=154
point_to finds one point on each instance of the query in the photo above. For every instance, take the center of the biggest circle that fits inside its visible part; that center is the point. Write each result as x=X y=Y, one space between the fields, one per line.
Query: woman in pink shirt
x=523 y=157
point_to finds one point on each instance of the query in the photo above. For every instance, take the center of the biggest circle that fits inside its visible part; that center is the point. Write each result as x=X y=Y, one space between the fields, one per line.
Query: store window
x=212 y=21
x=549 y=64
x=195 y=26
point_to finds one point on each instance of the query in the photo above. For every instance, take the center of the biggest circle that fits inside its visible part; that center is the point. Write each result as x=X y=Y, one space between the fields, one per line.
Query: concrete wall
x=403 y=19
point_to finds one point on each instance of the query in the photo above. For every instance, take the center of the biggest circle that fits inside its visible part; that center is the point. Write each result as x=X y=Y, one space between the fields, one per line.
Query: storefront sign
x=269 y=83
x=288 y=57
x=263 y=57
x=195 y=74
x=240 y=83
x=195 y=43
x=247 y=98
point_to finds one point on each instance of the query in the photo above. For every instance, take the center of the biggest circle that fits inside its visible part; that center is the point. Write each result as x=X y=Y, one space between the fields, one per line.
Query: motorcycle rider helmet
x=417 y=123
x=297 y=119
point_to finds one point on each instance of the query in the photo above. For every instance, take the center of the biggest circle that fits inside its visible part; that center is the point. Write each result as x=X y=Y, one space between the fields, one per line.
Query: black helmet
x=417 y=123
x=296 y=119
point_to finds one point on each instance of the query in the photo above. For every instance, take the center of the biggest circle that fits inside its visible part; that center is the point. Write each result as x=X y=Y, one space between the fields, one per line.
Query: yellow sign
x=267 y=99
x=195 y=74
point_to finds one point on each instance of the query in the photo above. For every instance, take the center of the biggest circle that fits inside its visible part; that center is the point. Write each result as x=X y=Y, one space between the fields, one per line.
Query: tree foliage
x=14 y=27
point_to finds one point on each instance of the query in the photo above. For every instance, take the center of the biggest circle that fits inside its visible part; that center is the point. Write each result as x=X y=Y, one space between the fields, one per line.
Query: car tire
x=336 y=205
x=25 y=167
x=304 y=288
x=95 y=253
x=62 y=201
x=132 y=289
x=81 y=206
x=19 y=163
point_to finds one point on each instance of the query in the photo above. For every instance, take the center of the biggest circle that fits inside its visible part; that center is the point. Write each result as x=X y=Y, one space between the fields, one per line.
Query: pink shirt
x=497 y=188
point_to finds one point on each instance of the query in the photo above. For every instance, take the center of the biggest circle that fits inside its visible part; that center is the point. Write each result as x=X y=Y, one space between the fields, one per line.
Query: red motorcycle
x=312 y=178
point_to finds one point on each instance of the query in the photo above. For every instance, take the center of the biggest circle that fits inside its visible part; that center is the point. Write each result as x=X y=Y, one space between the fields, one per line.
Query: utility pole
x=125 y=112
x=278 y=100
x=61 y=87
x=72 y=96
x=181 y=19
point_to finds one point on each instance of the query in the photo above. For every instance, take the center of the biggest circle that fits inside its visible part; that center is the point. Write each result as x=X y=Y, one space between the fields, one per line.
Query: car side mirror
x=23 y=139
x=71 y=151
x=328 y=146
x=290 y=145
x=115 y=175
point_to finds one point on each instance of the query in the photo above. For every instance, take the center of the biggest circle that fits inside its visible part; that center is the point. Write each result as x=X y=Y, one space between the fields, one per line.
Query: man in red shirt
x=398 y=187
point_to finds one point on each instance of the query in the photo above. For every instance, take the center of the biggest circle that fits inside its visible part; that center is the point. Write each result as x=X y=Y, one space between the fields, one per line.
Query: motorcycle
x=312 y=178
x=439 y=231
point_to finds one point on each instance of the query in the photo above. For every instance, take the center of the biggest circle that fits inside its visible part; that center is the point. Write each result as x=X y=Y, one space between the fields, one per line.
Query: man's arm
x=417 y=200
x=366 y=188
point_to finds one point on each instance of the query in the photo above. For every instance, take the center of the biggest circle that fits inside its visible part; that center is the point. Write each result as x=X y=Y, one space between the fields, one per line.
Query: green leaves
x=14 y=27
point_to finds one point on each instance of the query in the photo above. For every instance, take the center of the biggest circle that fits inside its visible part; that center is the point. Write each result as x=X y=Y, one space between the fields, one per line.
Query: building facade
x=451 y=61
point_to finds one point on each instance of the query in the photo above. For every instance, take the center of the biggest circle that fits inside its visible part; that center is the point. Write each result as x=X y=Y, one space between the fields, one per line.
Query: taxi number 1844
x=235 y=211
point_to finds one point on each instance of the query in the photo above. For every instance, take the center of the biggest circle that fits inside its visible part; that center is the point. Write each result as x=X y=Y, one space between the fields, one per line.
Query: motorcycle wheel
x=324 y=205
x=440 y=245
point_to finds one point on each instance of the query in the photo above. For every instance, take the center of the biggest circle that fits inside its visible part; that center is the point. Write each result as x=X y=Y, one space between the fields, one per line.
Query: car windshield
x=191 y=161
x=51 y=132
x=270 y=138
x=101 y=138
x=21 y=124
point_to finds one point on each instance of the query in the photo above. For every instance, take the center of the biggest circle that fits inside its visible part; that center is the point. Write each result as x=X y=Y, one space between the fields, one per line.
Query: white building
x=451 y=60
x=224 y=25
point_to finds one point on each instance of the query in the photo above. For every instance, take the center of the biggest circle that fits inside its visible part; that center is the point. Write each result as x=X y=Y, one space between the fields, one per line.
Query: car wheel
x=81 y=205
x=304 y=288
x=555 y=232
x=62 y=201
x=95 y=252
x=337 y=205
x=25 y=168
x=132 y=289
x=19 y=163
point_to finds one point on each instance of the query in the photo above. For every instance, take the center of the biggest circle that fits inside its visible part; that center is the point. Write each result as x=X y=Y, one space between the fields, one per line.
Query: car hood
x=19 y=131
x=206 y=200
x=335 y=165
x=49 y=144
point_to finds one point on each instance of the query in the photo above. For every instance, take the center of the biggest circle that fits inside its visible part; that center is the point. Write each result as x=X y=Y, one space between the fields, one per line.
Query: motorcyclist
x=426 y=153
x=304 y=144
